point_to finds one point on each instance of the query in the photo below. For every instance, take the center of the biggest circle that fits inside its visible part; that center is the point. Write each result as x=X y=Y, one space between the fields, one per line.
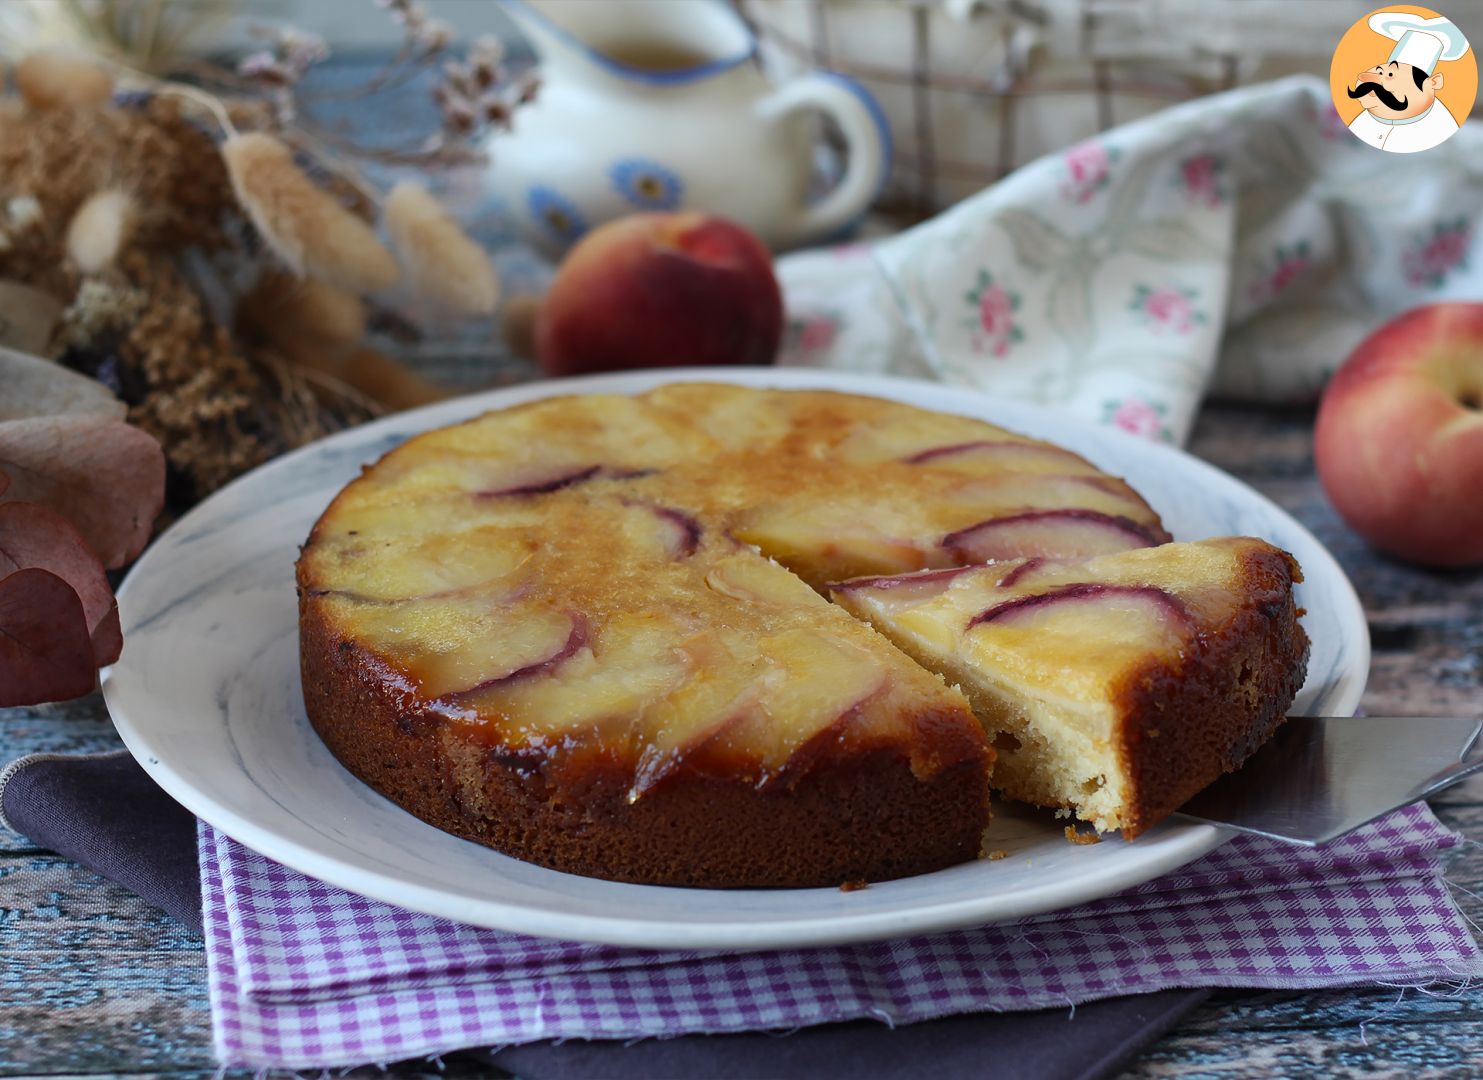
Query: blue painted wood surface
x=95 y=981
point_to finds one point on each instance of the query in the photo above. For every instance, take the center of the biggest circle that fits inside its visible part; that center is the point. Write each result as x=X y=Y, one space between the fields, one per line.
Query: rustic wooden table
x=95 y=981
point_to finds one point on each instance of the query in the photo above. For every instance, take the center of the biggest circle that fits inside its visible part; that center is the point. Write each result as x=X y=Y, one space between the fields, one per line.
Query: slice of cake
x=1117 y=686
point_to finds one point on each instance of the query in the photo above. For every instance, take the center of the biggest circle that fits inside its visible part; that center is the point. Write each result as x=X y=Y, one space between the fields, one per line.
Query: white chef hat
x=1419 y=42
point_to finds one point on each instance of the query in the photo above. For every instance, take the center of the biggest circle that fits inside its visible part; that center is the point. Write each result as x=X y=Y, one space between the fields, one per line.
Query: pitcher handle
x=867 y=147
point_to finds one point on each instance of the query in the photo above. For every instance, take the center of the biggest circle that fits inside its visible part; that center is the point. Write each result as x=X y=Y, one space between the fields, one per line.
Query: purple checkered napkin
x=303 y=974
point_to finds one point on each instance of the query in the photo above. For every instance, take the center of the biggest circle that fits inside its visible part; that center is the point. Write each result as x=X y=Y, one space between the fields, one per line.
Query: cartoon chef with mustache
x=1399 y=97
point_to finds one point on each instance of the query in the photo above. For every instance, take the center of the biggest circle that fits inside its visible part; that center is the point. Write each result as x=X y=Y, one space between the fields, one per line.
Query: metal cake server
x=1320 y=777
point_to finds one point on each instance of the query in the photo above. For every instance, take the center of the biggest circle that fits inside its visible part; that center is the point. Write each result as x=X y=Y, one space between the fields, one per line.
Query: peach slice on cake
x=412 y=564
x=1014 y=492
x=453 y=646
x=1058 y=533
x=898 y=435
x=820 y=541
x=757 y=704
x=902 y=590
x=675 y=533
x=994 y=456
x=618 y=668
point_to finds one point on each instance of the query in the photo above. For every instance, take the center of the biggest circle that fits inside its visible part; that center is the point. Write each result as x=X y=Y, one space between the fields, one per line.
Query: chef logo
x=1403 y=79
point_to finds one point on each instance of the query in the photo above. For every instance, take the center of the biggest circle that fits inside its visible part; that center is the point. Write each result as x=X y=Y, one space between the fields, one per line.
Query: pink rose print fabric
x=1288 y=264
x=1167 y=309
x=1137 y=417
x=1088 y=171
x=994 y=328
x=1203 y=179
x=1436 y=256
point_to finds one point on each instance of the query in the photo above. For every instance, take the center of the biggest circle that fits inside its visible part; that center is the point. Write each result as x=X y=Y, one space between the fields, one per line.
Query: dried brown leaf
x=45 y=654
x=32 y=535
x=104 y=476
x=36 y=387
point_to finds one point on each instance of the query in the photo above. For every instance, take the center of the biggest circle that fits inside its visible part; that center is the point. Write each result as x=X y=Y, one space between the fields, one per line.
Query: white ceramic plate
x=207 y=697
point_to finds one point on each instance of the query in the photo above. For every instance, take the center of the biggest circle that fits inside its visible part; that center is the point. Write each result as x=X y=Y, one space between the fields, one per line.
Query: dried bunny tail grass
x=56 y=79
x=443 y=265
x=99 y=230
x=281 y=308
x=311 y=232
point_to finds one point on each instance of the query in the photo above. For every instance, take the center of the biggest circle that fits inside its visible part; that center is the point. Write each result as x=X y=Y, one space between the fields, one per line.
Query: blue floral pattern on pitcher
x=557 y=214
x=647 y=184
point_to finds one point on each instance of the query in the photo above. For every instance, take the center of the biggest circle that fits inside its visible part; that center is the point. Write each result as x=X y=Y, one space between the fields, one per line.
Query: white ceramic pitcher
x=661 y=104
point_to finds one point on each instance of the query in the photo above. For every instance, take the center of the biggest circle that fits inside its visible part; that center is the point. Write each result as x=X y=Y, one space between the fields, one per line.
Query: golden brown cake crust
x=1185 y=726
x=862 y=814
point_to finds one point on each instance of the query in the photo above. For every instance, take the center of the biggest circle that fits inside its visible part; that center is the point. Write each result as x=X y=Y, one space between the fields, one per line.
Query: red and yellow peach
x=661 y=290
x=1399 y=442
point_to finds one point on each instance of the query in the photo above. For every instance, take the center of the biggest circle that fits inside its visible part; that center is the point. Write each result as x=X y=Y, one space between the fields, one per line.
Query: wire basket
x=973 y=89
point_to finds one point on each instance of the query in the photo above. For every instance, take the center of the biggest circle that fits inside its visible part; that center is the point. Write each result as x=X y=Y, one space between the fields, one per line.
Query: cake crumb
x=1082 y=837
x=854 y=885
x=995 y=856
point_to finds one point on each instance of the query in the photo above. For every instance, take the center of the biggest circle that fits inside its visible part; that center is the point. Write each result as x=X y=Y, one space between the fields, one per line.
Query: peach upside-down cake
x=592 y=632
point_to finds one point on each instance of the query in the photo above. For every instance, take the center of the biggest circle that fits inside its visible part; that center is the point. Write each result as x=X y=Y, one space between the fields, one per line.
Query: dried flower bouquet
x=187 y=271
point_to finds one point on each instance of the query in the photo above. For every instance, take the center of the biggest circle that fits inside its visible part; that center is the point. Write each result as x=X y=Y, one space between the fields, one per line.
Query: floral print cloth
x=1241 y=245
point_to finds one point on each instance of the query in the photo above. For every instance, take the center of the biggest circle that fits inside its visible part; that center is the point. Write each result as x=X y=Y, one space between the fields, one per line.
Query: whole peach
x=661 y=290
x=1399 y=442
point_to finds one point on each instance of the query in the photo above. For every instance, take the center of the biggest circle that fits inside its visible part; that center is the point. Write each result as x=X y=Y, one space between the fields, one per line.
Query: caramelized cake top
x=634 y=573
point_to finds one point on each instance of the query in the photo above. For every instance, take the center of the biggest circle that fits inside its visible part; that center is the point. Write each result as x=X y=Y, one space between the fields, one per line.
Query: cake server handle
x=1321 y=777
